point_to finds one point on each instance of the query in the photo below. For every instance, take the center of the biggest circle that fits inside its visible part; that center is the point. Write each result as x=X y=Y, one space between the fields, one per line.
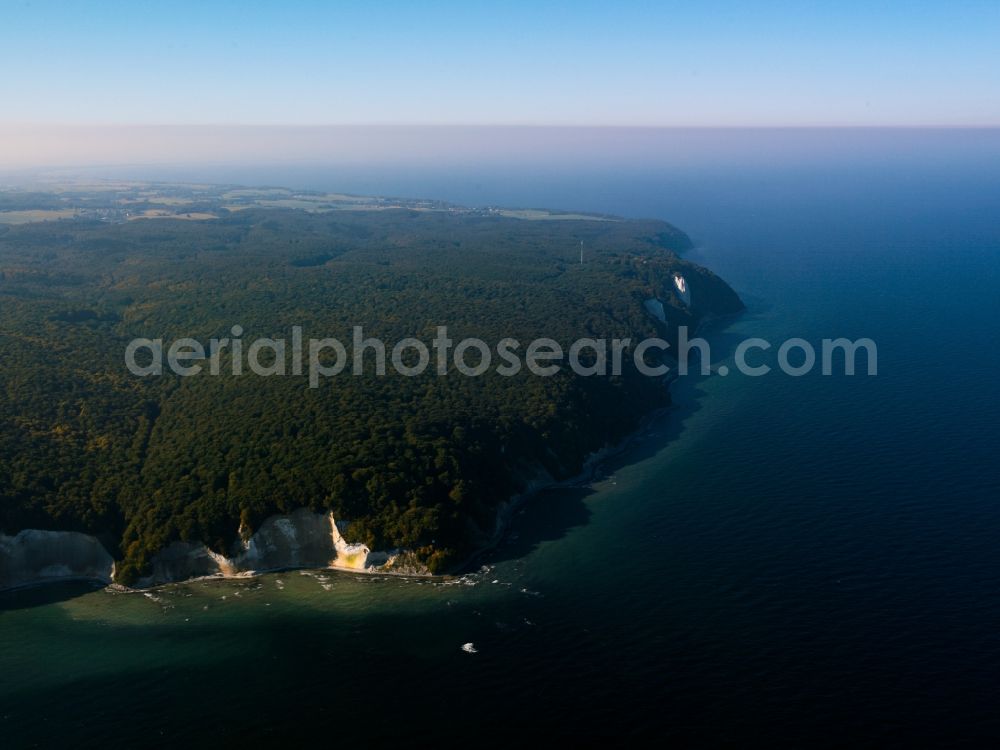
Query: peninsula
x=160 y=478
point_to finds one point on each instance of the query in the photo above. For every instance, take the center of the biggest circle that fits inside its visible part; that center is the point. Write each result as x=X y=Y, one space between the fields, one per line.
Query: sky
x=79 y=74
x=580 y=63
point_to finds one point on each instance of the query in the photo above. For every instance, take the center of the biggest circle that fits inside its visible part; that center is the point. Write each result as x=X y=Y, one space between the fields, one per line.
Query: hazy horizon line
x=39 y=146
x=526 y=125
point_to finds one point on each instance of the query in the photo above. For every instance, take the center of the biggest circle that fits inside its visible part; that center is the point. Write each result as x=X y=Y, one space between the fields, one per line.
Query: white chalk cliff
x=302 y=539
x=34 y=556
x=682 y=289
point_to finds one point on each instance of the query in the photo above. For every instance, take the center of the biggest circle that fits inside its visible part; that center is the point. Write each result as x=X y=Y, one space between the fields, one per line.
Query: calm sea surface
x=809 y=560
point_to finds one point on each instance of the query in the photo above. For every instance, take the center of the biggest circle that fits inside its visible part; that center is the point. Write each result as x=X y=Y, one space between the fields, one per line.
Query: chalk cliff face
x=682 y=290
x=654 y=307
x=302 y=539
x=35 y=556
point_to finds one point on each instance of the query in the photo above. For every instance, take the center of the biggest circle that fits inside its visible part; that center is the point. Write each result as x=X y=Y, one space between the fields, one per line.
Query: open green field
x=27 y=217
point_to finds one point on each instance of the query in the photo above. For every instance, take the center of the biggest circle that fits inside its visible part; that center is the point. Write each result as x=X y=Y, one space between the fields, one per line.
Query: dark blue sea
x=797 y=561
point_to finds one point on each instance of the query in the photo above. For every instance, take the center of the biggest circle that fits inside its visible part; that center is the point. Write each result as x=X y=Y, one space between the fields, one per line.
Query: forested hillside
x=416 y=462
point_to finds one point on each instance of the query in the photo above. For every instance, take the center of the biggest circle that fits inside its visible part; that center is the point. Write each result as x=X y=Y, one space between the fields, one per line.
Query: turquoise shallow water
x=806 y=560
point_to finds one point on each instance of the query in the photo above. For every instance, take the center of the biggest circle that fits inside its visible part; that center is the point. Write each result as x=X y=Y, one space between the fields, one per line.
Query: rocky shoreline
x=301 y=539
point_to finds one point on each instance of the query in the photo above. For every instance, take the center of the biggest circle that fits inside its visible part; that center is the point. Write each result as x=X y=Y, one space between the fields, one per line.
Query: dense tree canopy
x=418 y=462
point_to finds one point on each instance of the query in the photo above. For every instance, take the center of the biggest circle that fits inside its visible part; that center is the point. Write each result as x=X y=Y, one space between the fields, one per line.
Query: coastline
x=592 y=467
x=592 y=464
x=300 y=540
x=505 y=515
x=229 y=568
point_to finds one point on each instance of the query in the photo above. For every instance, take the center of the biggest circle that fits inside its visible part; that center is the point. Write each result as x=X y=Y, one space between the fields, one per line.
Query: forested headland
x=411 y=462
